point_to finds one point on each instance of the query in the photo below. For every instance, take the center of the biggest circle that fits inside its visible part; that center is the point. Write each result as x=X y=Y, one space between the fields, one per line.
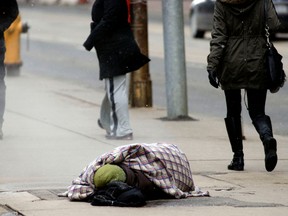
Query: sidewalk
x=51 y=134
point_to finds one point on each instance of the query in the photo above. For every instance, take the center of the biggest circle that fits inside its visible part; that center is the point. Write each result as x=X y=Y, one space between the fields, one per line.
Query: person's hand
x=88 y=45
x=213 y=78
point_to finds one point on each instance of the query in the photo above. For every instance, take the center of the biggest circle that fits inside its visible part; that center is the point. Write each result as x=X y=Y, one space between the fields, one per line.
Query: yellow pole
x=140 y=93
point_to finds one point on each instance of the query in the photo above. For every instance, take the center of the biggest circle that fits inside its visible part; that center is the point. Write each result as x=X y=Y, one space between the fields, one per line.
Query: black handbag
x=276 y=74
x=118 y=193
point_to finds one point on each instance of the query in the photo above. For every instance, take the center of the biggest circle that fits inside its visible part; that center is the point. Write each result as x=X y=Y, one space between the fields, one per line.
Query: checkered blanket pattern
x=164 y=164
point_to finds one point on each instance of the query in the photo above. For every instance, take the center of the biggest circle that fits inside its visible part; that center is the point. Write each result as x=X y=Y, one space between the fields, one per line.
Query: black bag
x=118 y=194
x=276 y=74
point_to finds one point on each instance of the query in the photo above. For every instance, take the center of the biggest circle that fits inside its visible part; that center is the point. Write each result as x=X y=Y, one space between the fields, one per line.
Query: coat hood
x=238 y=7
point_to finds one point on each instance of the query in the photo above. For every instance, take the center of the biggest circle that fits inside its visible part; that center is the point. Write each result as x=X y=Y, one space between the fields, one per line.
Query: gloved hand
x=88 y=44
x=213 y=78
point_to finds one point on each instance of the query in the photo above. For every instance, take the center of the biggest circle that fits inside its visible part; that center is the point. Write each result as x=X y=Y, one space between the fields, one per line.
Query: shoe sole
x=236 y=168
x=125 y=137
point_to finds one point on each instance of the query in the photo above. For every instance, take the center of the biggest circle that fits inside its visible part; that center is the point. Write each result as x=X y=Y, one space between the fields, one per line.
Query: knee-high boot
x=264 y=128
x=234 y=130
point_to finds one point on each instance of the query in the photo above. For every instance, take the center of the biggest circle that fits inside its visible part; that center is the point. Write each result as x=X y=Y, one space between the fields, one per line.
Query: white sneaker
x=125 y=137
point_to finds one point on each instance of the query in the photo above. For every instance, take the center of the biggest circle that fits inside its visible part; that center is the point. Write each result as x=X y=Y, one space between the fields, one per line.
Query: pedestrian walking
x=8 y=13
x=237 y=61
x=118 y=54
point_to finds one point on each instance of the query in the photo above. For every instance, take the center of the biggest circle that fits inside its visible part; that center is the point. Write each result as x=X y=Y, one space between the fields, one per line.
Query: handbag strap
x=267 y=34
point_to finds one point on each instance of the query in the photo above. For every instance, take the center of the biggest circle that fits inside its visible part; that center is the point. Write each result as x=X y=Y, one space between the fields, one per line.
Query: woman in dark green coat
x=237 y=61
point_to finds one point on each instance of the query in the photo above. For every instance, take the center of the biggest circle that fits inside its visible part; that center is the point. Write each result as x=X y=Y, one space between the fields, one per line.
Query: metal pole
x=140 y=93
x=175 y=67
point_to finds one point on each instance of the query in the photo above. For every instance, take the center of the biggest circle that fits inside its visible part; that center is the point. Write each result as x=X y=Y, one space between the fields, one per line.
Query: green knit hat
x=107 y=174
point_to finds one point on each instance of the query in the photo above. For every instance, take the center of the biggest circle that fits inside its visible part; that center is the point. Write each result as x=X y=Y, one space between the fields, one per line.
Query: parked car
x=281 y=7
x=201 y=16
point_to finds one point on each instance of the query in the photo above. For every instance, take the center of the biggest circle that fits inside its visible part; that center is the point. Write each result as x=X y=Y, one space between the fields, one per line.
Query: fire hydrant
x=13 y=60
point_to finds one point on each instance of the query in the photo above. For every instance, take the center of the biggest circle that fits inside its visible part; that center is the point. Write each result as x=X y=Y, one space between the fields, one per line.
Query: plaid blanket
x=164 y=164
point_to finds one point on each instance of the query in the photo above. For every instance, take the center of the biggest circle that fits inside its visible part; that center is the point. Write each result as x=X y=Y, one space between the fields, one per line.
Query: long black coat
x=117 y=51
x=238 y=45
x=8 y=13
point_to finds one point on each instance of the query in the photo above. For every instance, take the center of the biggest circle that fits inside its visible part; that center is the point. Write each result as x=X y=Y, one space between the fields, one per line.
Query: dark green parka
x=238 y=44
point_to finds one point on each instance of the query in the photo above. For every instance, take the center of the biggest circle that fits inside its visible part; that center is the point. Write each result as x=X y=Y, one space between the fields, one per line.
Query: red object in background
x=83 y=1
x=129 y=14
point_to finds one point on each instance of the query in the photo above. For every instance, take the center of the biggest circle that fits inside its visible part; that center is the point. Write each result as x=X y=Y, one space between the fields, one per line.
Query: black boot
x=234 y=130
x=237 y=162
x=264 y=128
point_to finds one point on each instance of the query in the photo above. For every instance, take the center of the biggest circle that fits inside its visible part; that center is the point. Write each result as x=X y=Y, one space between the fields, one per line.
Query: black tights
x=256 y=103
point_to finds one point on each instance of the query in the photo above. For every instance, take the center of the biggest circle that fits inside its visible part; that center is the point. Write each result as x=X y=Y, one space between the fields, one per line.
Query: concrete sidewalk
x=51 y=134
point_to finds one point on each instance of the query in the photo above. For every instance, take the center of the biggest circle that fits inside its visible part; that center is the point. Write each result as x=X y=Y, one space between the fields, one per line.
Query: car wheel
x=195 y=32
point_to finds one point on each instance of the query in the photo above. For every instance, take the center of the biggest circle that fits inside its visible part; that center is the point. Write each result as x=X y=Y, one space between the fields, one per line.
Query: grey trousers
x=2 y=82
x=114 y=114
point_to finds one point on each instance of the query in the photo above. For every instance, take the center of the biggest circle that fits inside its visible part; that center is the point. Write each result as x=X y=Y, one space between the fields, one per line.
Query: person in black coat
x=118 y=54
x=8 y=13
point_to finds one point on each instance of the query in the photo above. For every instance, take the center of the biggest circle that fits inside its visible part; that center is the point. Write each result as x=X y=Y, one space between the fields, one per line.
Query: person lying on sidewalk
x=158 y=170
